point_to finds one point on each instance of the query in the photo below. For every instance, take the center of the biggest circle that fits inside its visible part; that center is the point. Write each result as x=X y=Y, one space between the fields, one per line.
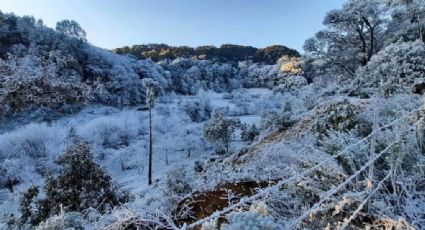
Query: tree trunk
x=188 y=152
x=150 y=148
x=421 y=36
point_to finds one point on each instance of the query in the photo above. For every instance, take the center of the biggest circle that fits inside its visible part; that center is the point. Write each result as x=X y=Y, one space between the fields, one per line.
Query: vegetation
x=224 y=53
x=80 y=184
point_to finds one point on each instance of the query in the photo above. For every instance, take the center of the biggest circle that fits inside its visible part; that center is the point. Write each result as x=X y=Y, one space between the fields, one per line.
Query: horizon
x=188 y=23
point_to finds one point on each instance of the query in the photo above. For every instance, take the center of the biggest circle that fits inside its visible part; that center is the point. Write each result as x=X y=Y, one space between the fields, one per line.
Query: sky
x=116 y=23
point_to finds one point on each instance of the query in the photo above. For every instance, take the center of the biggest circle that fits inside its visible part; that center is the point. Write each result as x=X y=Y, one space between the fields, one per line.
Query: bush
x=219 y=130
x=394 y=70
x=178 y=182
x=256 y=218
x=197 y=111
x=248 y=134
x=276 y=120
x=67 y=221
x=81 y=184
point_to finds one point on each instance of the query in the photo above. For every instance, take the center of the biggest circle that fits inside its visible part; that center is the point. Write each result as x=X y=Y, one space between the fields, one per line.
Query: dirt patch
x=204 y=204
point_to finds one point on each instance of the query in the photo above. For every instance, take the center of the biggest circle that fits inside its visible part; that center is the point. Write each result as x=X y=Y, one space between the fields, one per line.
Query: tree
x=81 y=184
x=152 y=92
x=399 y=68
x=219 y=130
x=408 y=14
x=249 y=133
x=353 y=35
x=72 y=29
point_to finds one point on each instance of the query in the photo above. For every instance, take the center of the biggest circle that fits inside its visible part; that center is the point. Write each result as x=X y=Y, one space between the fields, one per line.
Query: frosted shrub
x=177 y=181
x=276 y=120
x=82 y=184
x=112 y=131
x=394 y=70
x=257 y=218
x=197 y=111
x=220 y=129
x=291 y=83
x=249 y=133
x=63 y=221
x=340 y=116
x=210 y=225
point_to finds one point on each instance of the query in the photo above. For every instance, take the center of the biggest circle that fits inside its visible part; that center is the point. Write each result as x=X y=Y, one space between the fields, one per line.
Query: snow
x=103 y=126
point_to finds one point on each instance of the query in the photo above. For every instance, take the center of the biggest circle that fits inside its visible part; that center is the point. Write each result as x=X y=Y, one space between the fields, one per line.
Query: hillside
x=225 y=53
x=231 y=137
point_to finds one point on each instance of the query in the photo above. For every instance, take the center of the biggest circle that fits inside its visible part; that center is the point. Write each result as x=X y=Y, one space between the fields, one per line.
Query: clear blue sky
x=115 y=23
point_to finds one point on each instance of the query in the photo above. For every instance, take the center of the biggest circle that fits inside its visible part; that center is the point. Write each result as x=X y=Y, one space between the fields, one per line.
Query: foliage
x=224 y=53
x=270 y=55
x=249 y=133
x=394 y=70
x=219 y=130
x=71 y=28
x=81 y=184
x=290 y=66
x=353 y=35
x=276 y=120
x=178 y=181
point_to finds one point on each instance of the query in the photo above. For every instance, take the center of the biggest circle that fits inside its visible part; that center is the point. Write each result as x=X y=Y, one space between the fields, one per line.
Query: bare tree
x=152 y=92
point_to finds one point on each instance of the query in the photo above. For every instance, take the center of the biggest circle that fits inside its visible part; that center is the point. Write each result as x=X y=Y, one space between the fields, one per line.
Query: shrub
x=178 y=182
x=197 y=111
x=256 y=218
x=394 y=70
x=219 y=130
x=291 y=66
x=67 y=221
x=276 y=120
x=248 y=134
x=81 y=184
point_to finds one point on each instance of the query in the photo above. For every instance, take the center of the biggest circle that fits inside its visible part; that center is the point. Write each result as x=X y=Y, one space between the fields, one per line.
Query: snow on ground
x=119 y=139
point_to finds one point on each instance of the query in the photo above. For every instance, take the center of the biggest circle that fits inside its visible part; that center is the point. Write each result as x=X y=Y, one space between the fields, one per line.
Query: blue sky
x=115 y=23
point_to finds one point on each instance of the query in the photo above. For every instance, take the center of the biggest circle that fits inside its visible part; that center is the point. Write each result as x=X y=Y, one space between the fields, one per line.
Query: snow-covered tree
x=220 y=129
x=396 y=69
x=81 y=184
x=408 y=20
x=353 y=35
x=71 y=28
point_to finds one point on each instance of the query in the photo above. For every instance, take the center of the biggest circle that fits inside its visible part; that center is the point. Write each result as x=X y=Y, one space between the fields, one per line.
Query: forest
x=233 y=137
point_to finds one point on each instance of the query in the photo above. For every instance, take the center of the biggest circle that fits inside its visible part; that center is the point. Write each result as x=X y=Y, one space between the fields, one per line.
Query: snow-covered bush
x=177 y=181
x=249 y=133
x=81 y=184
x=276 y=120
x=341 y=116
x=220 y=129
x=394 y=70
x=112 y=131
x=257 y=218
x=291 y=84
x=65 y=221
x=198 y=111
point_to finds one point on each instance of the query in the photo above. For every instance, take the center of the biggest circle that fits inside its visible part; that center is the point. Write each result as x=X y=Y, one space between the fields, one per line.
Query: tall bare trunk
x=150 y=148
x=421 y=36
